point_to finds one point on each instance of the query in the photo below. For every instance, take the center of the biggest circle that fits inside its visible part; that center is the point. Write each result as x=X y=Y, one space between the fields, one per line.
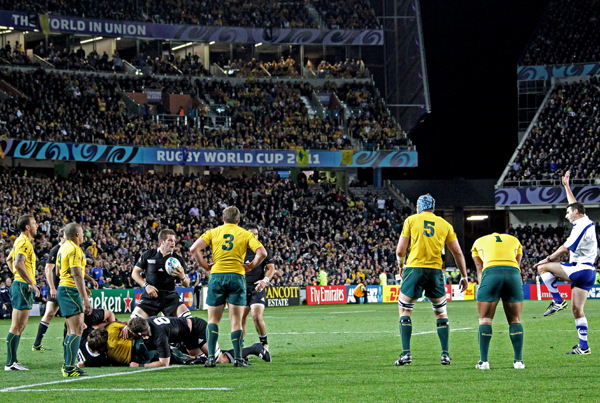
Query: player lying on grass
x=159 y=332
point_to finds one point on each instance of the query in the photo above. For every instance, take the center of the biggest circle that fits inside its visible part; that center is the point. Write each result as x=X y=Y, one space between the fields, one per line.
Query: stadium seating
x=569 y=33
x=565 y=136
x=306 y=227
x=356 y=14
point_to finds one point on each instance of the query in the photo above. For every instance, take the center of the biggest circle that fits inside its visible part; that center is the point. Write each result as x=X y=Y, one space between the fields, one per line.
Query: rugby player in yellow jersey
x=427 y=234
x=72 y=296
x=227 y=283
x=497 y=258
x=21 y=262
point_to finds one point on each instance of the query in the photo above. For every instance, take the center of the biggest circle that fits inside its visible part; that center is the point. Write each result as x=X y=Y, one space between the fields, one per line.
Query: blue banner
x=146 y=155
x=525 y=73
x=134 y=29
x=545 y=195
x=374 y=292
x=594 y=293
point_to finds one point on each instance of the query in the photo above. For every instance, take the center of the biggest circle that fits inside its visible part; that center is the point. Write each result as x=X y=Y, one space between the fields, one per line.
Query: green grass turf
x=344 y=353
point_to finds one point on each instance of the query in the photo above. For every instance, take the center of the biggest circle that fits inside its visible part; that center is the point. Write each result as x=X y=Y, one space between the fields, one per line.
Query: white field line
x=382 y=332
x=333 y=313
x=120 y=390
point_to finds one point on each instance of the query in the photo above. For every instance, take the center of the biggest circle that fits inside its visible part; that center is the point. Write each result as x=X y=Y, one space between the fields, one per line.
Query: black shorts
x=167 y=302
x=198 y=334
x=255 y=297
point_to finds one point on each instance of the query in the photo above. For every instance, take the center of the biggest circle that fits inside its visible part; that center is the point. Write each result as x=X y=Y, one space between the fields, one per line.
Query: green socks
x=405 y=333
x=516 y=337
x=212 y=336
x=12 y=344
x=443 y=330
x=485 y=336
x=237 y=339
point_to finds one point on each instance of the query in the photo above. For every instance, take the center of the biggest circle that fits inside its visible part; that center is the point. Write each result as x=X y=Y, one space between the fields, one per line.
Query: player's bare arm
x=565 y=181
x=49 y=271
x=459 y=258
x=260 y=255
x=196 y=251
x=401 y=253
x=19 y=266
x=136 y=275
x=552 y=257
x=479 y=267
x=77 y=274
x=261 y=284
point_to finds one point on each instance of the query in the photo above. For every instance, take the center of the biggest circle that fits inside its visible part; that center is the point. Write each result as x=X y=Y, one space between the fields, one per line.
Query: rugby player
x=21 y=261
x=159 y=288
x=427 y=235
x=497 y=258
x=257 y=280
x=227 y=283
x=72 y=296
x=582 y=246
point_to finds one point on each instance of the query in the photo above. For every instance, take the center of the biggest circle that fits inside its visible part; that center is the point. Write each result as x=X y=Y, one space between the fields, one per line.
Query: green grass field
x=341 y=353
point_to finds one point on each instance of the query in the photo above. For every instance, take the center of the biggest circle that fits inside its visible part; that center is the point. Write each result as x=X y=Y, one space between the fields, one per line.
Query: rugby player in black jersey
x=257 y=280
x=159 y=287
x=189 y=334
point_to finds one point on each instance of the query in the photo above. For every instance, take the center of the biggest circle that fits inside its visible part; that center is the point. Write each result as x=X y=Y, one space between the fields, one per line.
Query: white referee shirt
x=582 y=243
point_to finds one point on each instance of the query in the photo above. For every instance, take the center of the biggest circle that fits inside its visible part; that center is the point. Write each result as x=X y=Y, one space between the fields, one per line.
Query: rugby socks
x=485 y=336
x=582 y=330
x=515 y=330
x=237 y=339
x=405 y=333
x=12 y=344
x=42 y=328
x=443 y=330
x=74 y=348
x=550 y=281
x=263 y=339
x=212 y=336
x=67 y=343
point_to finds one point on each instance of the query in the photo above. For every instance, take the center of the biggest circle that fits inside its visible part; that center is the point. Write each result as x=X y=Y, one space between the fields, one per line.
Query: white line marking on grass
x=333 y=313
x=452 y=330
x=120 y=390
x=382 y=332
x=14 y=388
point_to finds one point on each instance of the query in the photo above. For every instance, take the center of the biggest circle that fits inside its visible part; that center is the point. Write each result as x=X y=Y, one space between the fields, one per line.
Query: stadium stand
x=306 y=226
x=565 y=136
x=569 y=33
x=356 y=14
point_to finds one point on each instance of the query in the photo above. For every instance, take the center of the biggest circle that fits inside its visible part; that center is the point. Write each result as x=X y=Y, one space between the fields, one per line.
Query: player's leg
x=22 y=301
x=549 y=272
x=486 y=311
x=75 y=330
x=579 y=297
x=406 y=305
x=182 y=311
x=435 y=290
x=237 y=335
x=215 y=313
x=245 y=319
x=515 y=330
x=51 y=311
x=215 y=300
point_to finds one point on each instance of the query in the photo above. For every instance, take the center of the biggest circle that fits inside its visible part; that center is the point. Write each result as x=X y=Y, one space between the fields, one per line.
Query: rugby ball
x=171 y=265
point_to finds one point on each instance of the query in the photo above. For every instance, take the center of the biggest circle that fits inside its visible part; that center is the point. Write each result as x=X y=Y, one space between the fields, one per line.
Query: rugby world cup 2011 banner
x=545 y=196
x=594 y=293
x=121 y=300
x=374 y=294
x=563 y=289
x=525 y=73
x=183 y=156
x=282 y=296
x=326 y=294
x=97 y=27
x=186 y=296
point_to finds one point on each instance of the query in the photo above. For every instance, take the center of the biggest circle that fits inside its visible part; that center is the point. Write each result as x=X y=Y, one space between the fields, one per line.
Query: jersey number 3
x=428 y=230
x=228 y=242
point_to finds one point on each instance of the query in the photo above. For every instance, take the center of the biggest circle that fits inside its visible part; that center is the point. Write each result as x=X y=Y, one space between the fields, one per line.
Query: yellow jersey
x=24 y=247
x=229 y=243
x=497 y=250
x=69 y=255
x=427 y=234
x=119 y=349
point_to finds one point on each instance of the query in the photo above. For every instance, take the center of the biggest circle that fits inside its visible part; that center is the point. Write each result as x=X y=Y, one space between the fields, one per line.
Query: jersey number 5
x=228 y=242
x=429 y=230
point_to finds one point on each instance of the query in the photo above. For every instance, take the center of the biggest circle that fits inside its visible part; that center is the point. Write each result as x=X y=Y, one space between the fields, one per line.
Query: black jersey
x=152 y=262
x=258 y=273
x=52 y=260
x=85 y=355
x=165 y=330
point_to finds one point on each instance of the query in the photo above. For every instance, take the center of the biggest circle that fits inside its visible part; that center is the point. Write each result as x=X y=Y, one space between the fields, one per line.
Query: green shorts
x=418 y=279
x=226 y=287
x=501 y=282
x=20 y=296
x=69 y=301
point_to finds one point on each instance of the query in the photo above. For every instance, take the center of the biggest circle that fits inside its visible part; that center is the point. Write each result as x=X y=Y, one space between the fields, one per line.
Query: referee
x=257 y=280
x=159 y=287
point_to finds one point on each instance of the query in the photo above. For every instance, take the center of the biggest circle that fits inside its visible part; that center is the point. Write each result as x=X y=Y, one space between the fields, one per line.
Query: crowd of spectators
x=258 y=68
x=354 y=14
x=565 y=136
x=70 y=107
x=569 y=33
x=10 y=55
x=256 y=13
x=172 y=65
x=342 y=69
x=306 y=227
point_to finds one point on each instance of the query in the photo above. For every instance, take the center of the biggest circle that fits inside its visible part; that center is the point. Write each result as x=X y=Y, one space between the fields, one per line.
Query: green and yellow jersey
x=497 y=250
x=119 y=349
x=229 y=243
x=23 y=246
x=427 y=234
x=69 y=255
